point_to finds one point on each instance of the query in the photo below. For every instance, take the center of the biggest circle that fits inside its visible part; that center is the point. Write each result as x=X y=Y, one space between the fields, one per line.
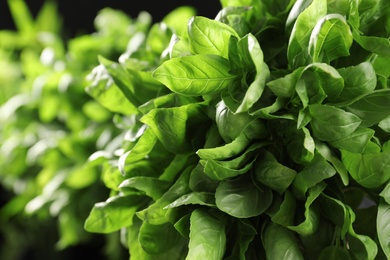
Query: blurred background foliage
x=49 y=125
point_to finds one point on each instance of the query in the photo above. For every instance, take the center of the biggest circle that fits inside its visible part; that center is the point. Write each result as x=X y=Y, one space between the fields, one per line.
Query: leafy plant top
x=260 y=134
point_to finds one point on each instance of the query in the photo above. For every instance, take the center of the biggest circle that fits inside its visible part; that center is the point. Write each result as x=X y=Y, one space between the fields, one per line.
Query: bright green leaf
x=360 y=79
x=158 y=239
x=280 y=243
x=297 y=51
x=241 y=198
x=273 y=174
x=369 y=170
x=207 y=36
x=195 y=75
x=331 y=124
x=207 y=237
x=330 y=39
x=313 y=173
x=152 y=187
x=113 y=214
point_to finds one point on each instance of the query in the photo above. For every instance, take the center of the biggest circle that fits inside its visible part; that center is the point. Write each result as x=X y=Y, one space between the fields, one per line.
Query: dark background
x=78 y=15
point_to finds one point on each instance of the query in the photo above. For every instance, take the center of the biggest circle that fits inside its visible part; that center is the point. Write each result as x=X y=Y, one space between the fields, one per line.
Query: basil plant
x=260 y=134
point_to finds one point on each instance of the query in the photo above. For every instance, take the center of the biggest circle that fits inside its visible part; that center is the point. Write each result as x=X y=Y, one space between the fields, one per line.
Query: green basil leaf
x=280 y=243
x=373 y=44
x=371 y=108
x=268 y=112
x=385 y=124
x=217 y=171
x=286 y=212
x=136 y=250
x=236 y=17
x=243 y=159
x=231 y=149
x=297 y=8
x=318 y=82
x=141 y=149
x=230 y=125
x=255 y=129
x=128 y=79
x=330 y=39
x=195 y=75
x=67 y=226
x=360 y=79
x=379 y=64
x=152 y=187
x=115 y=213
x=158 y=239
x=338 y=6
x=49 y=108
x=174 y=126
x=104 y=91
x=297 y=52
x=135 y=169
x=200 y=181
x=369 y=170
x=329 y=155
x=255 y=89
x=331 y=124
x=313 y=173
x=301 y=147
x=112 y=176
x=285 y=86
x=176 y=166
x=304 y=118
x=234 y=57
x=178 y=46
x=328 y=78
x=273 y=174
x=183 y=225
x=155 y=214
x=207 y=237
x=223 y=169
x=207 y=36
x=165 y=101
x=241 y=198
x=356 y=142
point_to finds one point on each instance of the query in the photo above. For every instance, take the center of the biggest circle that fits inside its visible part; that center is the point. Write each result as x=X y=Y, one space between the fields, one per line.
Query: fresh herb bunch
x=262 y=133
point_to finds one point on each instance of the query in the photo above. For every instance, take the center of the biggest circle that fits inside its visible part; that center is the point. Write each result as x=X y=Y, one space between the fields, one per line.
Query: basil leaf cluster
x=260 y=134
